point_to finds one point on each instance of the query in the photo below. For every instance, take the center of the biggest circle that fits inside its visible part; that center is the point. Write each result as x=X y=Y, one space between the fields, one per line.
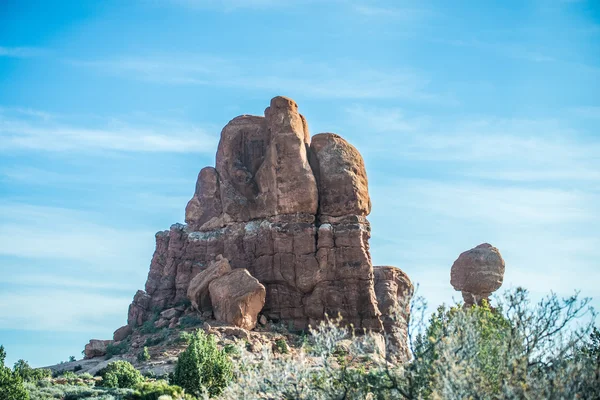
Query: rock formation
x=292 y=213
x=96 y=348
x=394 y=290
x=477 y=273
x=237 y=298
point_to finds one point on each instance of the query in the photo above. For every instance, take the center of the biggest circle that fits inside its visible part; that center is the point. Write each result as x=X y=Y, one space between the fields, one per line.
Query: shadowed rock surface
x=290 y=212
x=477 y=273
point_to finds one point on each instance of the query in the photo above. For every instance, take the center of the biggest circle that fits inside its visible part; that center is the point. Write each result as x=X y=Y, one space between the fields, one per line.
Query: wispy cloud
x=42 y=232
x=343 y=79
x=496 y=148
x=22 y=52
x=70 y=310
x=32 y=130
x=232 y=5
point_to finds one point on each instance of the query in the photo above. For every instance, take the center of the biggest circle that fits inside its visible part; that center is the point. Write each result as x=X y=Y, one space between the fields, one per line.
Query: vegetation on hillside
x=550 y=350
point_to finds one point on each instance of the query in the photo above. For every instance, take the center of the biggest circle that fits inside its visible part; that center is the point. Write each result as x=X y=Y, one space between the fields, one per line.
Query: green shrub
x=72 y=359
x=184 y=337
x=11 y=383
x=202 y=367
x=120 y=374
x=69 y=375
x=190 y=320
x=48 y=391
x=154 y=390
x=143 y=355
x=77 y=368
x=231 y=349
x=116 y=349
x=158 y=339
x=282 y=346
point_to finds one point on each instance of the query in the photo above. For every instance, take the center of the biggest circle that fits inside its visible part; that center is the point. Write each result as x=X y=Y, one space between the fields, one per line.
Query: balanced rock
x=477 y=273
x=237 y=298
x=290 y=211
x=198 y=289
x=96 y=348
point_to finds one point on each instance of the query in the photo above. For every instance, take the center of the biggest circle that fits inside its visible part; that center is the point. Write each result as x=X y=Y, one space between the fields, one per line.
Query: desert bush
x=11 y=383
x=154 y=391
x=120 y=374
x=71 y=392
x=190 y=320
x=161 y=337
x=116 y=349
x=202 y=367
x=516 y=351
x=282 y=346
x=143 y=355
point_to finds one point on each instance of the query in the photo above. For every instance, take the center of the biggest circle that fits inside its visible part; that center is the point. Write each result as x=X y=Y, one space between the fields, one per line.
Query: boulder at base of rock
x=237 y=298
x=122 y=333
x=198 y=289
x=477 y=273
x=96 y=348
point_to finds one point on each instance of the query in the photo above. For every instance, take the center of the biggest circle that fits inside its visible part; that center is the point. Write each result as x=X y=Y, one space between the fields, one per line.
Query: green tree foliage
x=29 y=374
x=120 y=374
x=202 y=367
x=11 y=384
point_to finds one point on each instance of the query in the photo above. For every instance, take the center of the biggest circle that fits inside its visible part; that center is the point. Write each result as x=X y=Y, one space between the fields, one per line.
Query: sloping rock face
x=292 y=212
x=477 y=273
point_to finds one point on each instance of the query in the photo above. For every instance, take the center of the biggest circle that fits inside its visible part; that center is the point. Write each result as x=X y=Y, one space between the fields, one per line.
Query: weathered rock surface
x=206 y=203
x=394 y=291
x=343 y=184
x=198 y=289
x=237 y=298
x=122 y=333
x=96 y=348
x=477 y=273
x=291 y=212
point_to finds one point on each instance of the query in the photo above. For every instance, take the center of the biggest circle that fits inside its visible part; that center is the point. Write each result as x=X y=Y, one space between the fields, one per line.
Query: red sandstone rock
x=205 y=206
x=477 y=273
x=306 y=243
x=96 y=348
x=122 y=333
x=237 y=298
x=341 y=176
x=198 y=290
x=394 y=291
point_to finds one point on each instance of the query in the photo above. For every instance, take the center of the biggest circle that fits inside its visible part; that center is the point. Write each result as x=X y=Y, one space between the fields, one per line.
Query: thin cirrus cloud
x=22 y=52
x=54 y=233
x=89 y=313
x=36 y=130
x=343 y=79
x=514 y=149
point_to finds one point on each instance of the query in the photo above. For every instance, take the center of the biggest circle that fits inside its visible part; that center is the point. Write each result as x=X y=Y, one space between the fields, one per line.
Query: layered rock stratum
x=291 y=211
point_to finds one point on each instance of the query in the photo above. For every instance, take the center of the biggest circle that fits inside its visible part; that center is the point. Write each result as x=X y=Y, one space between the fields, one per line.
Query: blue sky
x=478 y=122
